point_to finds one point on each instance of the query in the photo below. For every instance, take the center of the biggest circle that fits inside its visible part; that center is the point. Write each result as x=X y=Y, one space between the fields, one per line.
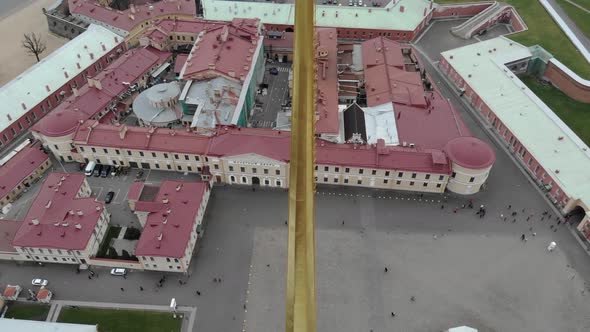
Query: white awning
x=160 y=70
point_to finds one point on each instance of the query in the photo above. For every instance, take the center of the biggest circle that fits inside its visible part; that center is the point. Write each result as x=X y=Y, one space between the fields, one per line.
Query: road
x=581 y=36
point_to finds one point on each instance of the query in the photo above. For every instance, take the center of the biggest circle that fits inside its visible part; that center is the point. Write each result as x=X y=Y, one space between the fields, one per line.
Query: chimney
x=122 y=132
x=78 y=65
x=165 y=201
x=47 y=88
x=103 y=47
x=66 y=73
x=79 y=212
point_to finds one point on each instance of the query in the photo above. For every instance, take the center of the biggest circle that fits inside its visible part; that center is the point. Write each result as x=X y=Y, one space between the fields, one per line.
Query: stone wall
x=61 y=23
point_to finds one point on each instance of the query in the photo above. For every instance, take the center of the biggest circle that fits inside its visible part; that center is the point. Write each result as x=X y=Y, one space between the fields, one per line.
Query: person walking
x=522 y=237
x=198 y=293
x=386 y=269
x=141 y=288
x=122 y=289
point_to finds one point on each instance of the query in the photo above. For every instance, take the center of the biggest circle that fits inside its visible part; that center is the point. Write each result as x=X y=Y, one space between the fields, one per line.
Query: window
x=266 y=182
x=141 y=153
x=345 y=180
x=411 y=183
x=27 y=119
x=325 y=179
x=400 y=174
x=20 y=126
x=266 y=170
x=168 y=260
x=232 y=179
x=425 y=184
x=244 y=180
x=278 y=183
x=98 y=161
x=175 y=156
x=374 y=172
x=413 y=175
x=536 y=169
x=278 y=172
x=179 y=168
x=93 y=150
x=165 y=155
x=56 y=147
x=157 y=165
x=190 y=169
x=347 y=170
x=129 y=152
x=326 y=168
x=336 y=169
x=253 y=169
x=216 y=166
x=197 y=158
x=243 y=169
x=427 y=177
x=471 y=179
x=453 y=175
x=153 y=154
x=386 y=173
x=231 y=168
x=530 y=161
x=359 y=182
x=117 y=151
x=316 y=167
x=398 y=182
x=151 y=259
x=438 y=185
x=335 y=180
x=361 y=171
x=441 y=177
x=186 y=157
x=385 y=181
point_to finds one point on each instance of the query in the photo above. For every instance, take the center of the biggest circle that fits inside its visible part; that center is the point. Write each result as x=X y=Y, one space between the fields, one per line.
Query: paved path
x=571 y=24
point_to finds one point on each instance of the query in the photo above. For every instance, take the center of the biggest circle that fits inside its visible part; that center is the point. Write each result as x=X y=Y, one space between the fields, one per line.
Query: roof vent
x=79 y=212
x=78 y=226
x=65 y=224
x=179 y=187
x=48 y=205
x=560 y=138
x=165 y=201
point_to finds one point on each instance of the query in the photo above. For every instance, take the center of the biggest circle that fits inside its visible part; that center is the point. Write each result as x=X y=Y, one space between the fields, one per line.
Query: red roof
x=225 y=50
x=21 y=165
x=470 y=152
x=230 y=141
x=327 y=82
x=368 y=156
x=180 y=61
x=171 y=219
x=43 y=293
x=134 y=191
x=129 y=68
x=57 y=218
x=10 y=291
x=8 y=229
x=127 y=19
x=92 y=133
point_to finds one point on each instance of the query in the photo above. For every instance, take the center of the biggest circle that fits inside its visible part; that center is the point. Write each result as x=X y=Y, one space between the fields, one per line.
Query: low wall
x=455 y=10
x=115 y=263
x=567 y=81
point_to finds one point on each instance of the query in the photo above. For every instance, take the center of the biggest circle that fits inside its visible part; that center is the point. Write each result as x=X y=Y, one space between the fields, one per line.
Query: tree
x=33 y=44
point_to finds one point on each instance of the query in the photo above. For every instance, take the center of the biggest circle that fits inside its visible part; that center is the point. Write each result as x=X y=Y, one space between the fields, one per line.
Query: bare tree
x=33 y=44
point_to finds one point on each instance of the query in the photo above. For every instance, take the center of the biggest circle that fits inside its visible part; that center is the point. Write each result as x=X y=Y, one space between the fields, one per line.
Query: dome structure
x=470 y=152
x=158 y=106
x=59 y=123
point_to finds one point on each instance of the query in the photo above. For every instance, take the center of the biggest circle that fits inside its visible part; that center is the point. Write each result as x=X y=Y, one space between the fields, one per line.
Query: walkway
x=575 y=31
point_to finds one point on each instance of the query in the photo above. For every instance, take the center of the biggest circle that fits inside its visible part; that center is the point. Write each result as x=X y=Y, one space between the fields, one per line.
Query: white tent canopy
x=462 y=329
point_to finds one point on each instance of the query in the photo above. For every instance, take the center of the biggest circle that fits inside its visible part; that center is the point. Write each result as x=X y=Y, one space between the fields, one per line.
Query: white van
x=89 y=168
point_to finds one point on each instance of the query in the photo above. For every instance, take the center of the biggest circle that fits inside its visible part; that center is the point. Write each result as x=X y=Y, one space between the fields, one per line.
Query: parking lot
x=277 y=94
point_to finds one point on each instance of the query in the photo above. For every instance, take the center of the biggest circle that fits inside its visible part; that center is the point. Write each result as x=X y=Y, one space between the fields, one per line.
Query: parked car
x=273 y=71
x=97 y=170
x=89 y=169
x=39 y=282
x=118 y=271
x=106 y=170
x=109 y=197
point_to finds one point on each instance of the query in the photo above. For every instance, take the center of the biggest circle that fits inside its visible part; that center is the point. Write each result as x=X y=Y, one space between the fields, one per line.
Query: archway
x=289 y=29
x=255 y=181
x=285 y=58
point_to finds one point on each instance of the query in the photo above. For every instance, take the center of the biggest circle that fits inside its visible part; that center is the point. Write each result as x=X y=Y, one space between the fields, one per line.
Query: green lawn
x=110 y=320
x=27 y=311
x=580 y=17
x=545 y=32
x=575 y=114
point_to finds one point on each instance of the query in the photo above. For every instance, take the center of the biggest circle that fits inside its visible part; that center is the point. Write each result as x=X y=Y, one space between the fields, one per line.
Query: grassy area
x=27 y=311
x=110 y=320
x=575 y=114
x=545 y=32
x=112 y=232
x=580 y=17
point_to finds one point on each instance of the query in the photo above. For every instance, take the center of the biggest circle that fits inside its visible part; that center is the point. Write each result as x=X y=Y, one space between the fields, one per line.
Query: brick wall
x=459 y=10
x=566 y=83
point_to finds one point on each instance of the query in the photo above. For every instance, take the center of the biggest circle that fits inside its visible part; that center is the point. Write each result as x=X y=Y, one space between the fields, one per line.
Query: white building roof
x=35 y=326
x=380 y=124
x=31 y=86
x=563 y=155
x=403 y=15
